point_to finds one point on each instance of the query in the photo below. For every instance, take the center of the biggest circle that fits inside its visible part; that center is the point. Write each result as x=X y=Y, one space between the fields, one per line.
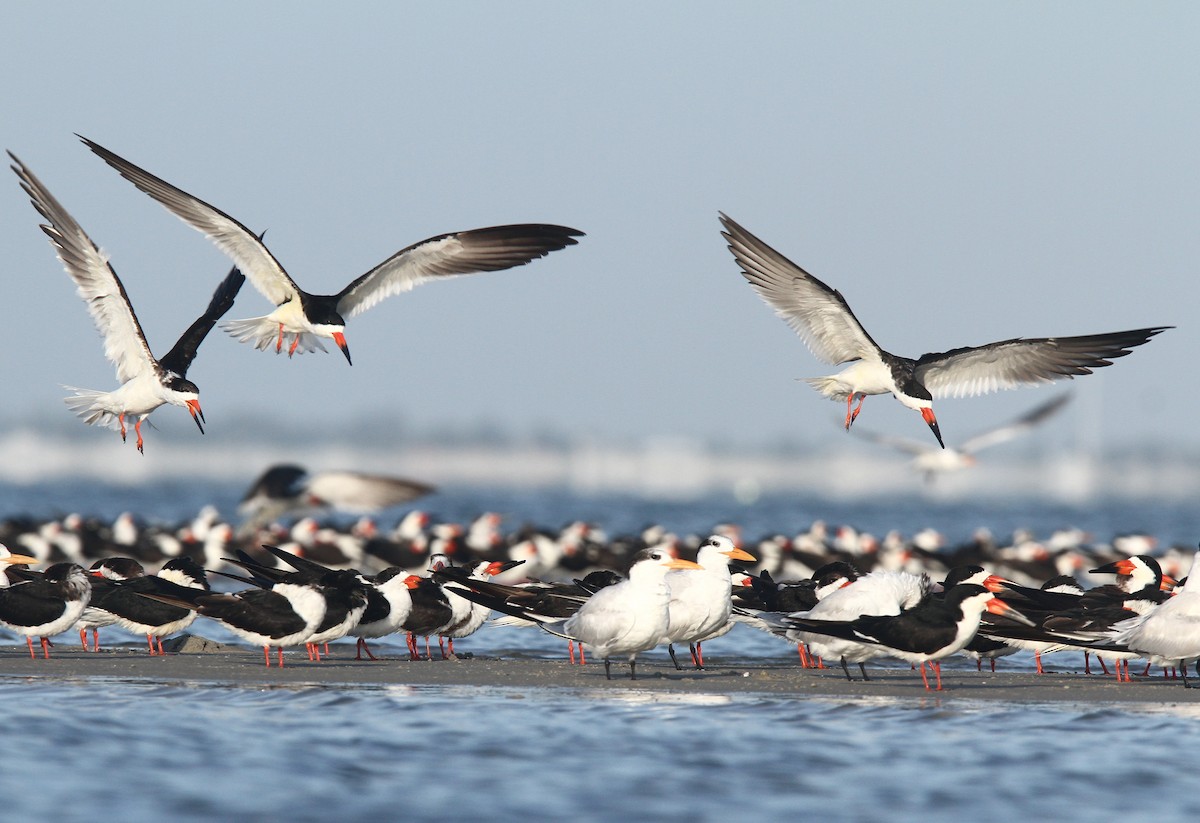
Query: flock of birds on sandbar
x=843 y=597
x=308 y=585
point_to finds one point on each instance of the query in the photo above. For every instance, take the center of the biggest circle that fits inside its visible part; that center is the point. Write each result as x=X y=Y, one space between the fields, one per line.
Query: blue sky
x=961 y=172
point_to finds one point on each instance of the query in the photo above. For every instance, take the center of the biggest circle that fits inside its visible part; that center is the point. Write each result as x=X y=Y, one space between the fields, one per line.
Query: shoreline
x=192 y=659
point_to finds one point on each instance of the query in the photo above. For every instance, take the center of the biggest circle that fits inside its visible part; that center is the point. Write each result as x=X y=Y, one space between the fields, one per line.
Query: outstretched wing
x=180 y=357
x=464 y=252
x=96 y=282
x=819 y=314
x=1008 y=364
x=238 y=242
x=1017 y=427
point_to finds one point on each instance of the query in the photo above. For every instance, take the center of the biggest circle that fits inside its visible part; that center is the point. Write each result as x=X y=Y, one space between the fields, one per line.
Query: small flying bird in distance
x=287 y=488
x=146 y=382
x=308 y=318
x=823 y=319
x=931 y=462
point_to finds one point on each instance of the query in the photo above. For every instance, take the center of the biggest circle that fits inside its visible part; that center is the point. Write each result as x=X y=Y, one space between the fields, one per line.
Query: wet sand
x=199 y=661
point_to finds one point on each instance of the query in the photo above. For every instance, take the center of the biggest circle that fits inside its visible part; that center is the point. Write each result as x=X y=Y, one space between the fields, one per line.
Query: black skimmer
x=431 y=612
x=286 y=614
x=307 y=318
x=823 y=319
x=388 y=603
x=44 y=604
x=286 y=488
x=146 y=382
x=344 y=590
x=702 y=598
x=930 y=462
x=468 y=615
x=875 y=594
x=935 y=628
x=121 y=598
x=551 y=600
x=1168 y=634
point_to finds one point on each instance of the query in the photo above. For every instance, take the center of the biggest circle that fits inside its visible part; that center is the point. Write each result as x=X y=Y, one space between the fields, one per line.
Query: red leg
x=95 y=640
x=1103 y=665
x=137 y=427
x=295 y=343
x=121 y=421
x=979 y=664
x=993 y=664
x=150 y=642
x=452 y=647
x=1037 y=656
x=924 y=679
x=442 y=646
x=83 y=638
x=46 y=648
x=582 y=659
x=1087 y=668
x=161 y=651
x=267 y=655
x=281 y=657
x=699 y=656
x=571 y=651
x=937 y=667
x=849 y=413
x=279 y=343
x=29 y=640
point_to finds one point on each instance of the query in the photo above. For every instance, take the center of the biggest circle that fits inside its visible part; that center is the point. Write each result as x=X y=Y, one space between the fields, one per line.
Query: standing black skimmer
x=930 y=462
x=1168 y=634
x=44 y=604
x=388 y=603
x=875 y=594
x=146 y=383
x=287 y=614
x=935 y=628
x=286 y=488
x=309 y=317
x=702 y=599
x=431 y=612
x=823 y=319
x=468 y=615
x=122 y=598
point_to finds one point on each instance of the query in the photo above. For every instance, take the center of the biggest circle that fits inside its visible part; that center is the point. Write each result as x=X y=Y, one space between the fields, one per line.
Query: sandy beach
x=198 y=660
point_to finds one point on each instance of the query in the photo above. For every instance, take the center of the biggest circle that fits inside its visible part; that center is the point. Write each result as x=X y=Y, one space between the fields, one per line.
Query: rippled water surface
x=100 y=749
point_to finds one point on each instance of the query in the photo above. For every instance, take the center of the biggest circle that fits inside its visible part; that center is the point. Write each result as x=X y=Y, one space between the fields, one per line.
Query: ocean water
x=110 y=748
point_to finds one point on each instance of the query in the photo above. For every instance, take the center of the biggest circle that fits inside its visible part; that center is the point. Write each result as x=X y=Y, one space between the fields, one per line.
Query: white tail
x=263 y=332
x=89 y=406
x=831 y=387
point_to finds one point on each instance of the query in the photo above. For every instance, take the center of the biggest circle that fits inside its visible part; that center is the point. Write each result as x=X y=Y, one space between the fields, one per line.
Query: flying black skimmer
x=931 y=462
x=307 y=318
x=286 y=488
x=43 y=604
x=146 y=382
x=120 y=598
x=823 y=319
x=935 y=628
x=702 y=599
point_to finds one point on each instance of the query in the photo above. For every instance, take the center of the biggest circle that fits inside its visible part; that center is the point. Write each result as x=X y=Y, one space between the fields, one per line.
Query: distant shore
x=203 y=661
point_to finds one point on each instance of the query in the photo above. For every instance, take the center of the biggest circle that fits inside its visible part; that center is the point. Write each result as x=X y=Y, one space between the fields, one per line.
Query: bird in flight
x=146 y=382
x=823 y=319
x=308 y=318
